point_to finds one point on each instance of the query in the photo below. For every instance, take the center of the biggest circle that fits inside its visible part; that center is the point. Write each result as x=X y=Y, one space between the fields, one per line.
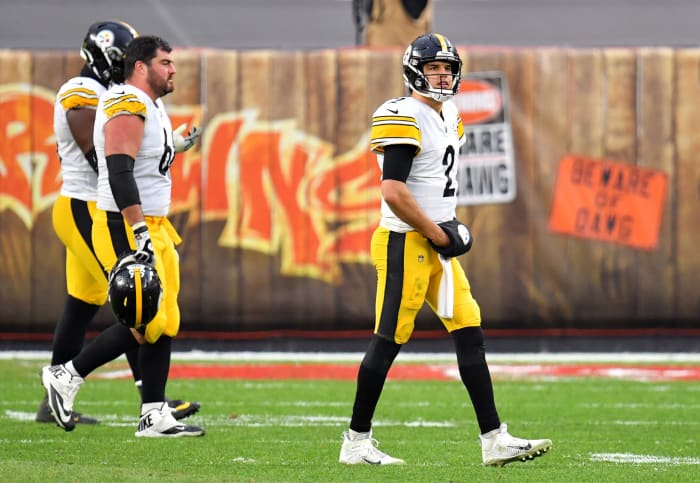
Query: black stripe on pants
x=394 y=285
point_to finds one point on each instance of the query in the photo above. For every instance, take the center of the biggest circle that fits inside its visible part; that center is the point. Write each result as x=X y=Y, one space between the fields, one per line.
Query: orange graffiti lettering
x=220 y=140
x=29 y=166
x=293 y=196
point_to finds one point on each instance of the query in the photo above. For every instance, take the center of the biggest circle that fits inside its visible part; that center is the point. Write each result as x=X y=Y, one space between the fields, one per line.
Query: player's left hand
x=184 y=142
x=460 y=238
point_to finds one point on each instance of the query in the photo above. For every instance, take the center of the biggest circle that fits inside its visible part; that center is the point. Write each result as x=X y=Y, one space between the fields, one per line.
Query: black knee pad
x=380 y=354
x=469 y=345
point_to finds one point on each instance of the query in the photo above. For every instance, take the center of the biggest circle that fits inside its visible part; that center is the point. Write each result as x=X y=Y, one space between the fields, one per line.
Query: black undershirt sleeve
x=121 y=179
x=398 y=159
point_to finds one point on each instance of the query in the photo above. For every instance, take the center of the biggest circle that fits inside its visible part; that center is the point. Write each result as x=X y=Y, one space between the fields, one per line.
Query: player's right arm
x=397 y=137
x=80 y=122
x=397 y=165
x=78 y=99
x=123 y=135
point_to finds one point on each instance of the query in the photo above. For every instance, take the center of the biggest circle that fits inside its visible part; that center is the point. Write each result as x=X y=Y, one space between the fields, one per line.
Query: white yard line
x=643 y=458
x=535 y=357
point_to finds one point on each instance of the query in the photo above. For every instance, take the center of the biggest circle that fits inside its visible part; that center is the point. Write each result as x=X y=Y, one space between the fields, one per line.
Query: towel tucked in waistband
x=446 y=292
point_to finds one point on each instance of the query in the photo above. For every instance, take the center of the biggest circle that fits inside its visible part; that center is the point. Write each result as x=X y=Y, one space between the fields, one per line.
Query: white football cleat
x=498 y=447
x=362 y=450
x=61 y=388
x=160 y=423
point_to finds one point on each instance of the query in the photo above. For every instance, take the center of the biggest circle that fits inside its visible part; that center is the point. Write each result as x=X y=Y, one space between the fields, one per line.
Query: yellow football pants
x=112 y=237
x=72 y=222
x=408 y=275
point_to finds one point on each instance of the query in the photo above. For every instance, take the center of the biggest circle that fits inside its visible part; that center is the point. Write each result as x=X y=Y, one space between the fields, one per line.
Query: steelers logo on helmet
x=134 y=292
x=104 y=39
x=430 y=48
x=104 y=48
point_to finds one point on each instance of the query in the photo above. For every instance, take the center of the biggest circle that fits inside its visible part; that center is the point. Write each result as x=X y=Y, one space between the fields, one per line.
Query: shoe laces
x=167 y=417
x=73 y=384
x=501 y=437
x=368 y=446
x=507 y=439
x=73 y=388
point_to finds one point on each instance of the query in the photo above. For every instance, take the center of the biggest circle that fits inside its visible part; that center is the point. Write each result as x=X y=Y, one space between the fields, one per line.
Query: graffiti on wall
x=279 y=190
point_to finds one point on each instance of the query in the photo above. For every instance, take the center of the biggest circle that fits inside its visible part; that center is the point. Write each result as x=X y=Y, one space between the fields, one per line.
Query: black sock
x=154 y=360
x=370 y=381
x=133 y=357
x=474 y=371
x=69 y=335
x=110 y=344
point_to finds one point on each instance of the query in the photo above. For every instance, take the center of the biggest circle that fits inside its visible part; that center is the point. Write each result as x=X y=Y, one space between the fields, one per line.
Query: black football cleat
x=182 y=409
x=43 y=415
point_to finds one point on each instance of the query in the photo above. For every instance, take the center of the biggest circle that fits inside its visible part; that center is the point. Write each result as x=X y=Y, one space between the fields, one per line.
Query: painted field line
x=445 y=357
x=637 y=459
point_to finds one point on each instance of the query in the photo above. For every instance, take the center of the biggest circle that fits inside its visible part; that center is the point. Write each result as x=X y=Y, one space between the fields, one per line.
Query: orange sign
x=478 y=101
x=608 y=201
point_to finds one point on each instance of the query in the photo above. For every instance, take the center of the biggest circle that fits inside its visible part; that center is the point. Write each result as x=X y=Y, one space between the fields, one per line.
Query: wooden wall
x=277 y=203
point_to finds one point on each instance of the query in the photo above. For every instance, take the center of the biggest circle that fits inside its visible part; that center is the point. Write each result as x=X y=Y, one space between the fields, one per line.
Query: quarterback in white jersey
x=155 y=154
x=415 y=250
x=437 y=138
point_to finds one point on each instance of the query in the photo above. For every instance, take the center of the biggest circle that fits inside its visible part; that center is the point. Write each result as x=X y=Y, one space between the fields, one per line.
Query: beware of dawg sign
x=609 y=201
x=486 y=163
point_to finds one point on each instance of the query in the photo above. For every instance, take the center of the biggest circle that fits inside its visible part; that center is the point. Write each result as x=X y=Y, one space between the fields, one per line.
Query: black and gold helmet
x=134 y=292
x=429 y=48
x=104 y=47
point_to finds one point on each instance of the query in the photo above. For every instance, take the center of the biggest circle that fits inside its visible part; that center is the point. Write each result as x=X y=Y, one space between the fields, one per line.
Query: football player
x=74 y=116
x=414 y=249
x=145 y=111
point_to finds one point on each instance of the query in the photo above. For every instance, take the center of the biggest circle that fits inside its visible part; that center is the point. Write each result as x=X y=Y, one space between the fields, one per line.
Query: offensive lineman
x=414 y=249
x=74 y=117
x=134 y=145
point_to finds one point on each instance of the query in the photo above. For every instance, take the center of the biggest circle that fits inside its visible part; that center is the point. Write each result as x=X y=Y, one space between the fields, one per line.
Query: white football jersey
x=152 y=165
x=79 y=179
x=433 y=177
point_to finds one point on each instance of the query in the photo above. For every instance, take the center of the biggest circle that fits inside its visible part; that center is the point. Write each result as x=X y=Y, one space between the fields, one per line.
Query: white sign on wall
x=486 y=162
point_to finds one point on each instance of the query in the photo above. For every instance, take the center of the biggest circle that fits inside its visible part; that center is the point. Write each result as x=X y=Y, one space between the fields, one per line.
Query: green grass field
x=289 y=430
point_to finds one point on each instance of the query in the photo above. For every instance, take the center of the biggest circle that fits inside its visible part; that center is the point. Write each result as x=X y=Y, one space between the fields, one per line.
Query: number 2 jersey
x=79 y=179
x=151 y=167
x=437 y=137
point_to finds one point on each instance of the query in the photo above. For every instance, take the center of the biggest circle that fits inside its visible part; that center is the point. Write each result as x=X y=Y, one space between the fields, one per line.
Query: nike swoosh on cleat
x=370 y=462
x=58 y=405
x=524 y=448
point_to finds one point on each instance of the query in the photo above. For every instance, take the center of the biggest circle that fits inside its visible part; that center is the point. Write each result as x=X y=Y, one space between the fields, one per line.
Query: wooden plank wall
x=634 y=106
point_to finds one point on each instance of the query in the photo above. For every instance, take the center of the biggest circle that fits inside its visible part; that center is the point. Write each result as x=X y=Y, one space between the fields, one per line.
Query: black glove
x=144 y=245
x=460 y=239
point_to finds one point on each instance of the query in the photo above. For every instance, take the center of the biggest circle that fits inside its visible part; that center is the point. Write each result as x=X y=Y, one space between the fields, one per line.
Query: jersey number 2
x=448 y=161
